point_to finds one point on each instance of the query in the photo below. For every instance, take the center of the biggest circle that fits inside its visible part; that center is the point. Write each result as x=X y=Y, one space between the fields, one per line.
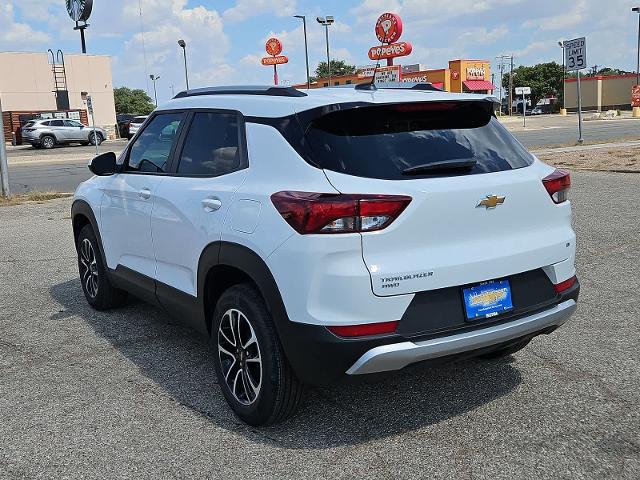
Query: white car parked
x=338 y=232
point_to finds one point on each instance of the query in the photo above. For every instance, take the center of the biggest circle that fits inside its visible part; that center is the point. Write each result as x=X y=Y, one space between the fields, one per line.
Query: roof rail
x=243 y=90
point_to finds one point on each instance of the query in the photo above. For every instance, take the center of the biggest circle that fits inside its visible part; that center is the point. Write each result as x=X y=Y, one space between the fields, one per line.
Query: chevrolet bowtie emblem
x=492 y=201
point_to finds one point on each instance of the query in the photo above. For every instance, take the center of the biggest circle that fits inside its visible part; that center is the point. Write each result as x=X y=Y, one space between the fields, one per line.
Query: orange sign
x=635 y=96
x=390 y=51
x=388 y=28
x=273 y=47
x=278 y=60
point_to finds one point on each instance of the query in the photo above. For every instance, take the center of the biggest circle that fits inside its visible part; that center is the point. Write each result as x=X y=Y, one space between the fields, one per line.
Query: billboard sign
x=388 y=31
x=390 y=74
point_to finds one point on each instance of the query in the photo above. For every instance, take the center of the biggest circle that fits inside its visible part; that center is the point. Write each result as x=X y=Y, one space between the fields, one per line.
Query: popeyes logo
x=455 y=75
x=476 y=73
x=388 y=30
x=273 y=47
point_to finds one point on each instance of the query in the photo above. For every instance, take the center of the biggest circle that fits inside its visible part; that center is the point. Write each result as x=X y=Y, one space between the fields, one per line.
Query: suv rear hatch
x=479 y=209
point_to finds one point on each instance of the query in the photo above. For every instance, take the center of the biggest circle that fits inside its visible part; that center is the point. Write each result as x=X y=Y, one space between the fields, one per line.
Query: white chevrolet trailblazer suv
x=327 y=234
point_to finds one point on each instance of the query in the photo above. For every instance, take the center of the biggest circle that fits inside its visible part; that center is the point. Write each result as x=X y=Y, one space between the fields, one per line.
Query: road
x=132 y=394
x=62 y=169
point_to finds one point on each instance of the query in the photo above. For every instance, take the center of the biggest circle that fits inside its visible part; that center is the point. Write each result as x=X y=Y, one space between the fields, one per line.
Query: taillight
x=566 y=285
x=364 y=330
x=558 y=184
x=310 y=212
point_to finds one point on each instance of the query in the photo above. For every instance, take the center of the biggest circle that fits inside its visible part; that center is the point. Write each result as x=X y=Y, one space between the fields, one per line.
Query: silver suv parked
x=51 y=132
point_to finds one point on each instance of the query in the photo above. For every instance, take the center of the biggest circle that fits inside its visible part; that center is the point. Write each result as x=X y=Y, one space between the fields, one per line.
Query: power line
x=144 y=50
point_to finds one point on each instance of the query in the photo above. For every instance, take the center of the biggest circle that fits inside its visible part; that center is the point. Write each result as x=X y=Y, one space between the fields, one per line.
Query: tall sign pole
x=80 y=11
x=575 y=52
x=4 y=166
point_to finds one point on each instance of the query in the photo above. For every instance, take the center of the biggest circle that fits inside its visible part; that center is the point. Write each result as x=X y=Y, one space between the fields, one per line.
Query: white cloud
x=14 y=33
x=250 y=8
x=562 y=21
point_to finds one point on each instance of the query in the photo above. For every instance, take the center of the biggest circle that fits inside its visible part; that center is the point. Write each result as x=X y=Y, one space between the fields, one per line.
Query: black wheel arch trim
x=80 y=208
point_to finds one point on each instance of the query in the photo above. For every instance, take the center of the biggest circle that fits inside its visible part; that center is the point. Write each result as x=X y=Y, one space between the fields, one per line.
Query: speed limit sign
x=575 y=52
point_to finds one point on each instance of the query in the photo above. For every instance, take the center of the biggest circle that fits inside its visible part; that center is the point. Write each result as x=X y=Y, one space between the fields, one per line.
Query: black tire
x=92 y=138
x=48 y=142
x=101 y=295
x=279 y=391
x=506 y=351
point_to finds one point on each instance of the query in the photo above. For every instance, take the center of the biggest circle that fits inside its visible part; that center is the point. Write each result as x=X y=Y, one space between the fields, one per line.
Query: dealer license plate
x=487 y=299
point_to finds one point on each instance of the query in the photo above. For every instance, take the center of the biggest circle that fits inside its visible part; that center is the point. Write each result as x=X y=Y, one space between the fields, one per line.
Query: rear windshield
x=388 y=142
x=138 y=120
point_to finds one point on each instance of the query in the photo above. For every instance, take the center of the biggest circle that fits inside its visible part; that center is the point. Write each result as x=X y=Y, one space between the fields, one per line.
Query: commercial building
x=601 y=93
x=461 y=76
x=48 y=85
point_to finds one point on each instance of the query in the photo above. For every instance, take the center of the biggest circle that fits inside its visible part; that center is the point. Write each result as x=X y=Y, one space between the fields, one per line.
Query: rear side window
x=212 y=146
x=57 y=123
x=390 y=141
x=151 y=150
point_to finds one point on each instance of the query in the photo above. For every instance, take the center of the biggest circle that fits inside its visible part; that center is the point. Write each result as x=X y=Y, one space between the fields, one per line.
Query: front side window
x=212 y=145
x=151 y=150
x=71 y=123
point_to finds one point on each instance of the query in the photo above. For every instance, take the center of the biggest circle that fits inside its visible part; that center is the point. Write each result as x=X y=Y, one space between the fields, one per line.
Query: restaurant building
x=472 y=76
x=601 y=93
x=54 y=85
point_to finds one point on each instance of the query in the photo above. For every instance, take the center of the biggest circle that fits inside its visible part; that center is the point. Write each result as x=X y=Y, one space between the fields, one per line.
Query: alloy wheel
x=88 y=268
x=240 y=359
x=47 y=142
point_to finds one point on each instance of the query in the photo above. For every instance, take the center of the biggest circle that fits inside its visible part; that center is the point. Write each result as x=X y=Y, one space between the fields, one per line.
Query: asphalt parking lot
x=130 y=393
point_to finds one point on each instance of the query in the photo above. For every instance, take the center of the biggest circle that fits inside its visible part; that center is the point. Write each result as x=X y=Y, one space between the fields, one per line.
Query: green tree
x=338 y=68
x=132 y=101
x=545 y=80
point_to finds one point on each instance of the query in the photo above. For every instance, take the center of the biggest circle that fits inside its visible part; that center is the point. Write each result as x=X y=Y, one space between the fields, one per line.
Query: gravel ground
x=604 y=159
x=130 y=393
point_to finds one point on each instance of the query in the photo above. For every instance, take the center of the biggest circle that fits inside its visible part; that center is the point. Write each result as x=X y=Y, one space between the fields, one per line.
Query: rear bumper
x=399 y=355
x=321 y=358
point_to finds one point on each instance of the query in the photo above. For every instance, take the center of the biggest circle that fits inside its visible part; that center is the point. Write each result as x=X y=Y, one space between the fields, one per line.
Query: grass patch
x=31 y=197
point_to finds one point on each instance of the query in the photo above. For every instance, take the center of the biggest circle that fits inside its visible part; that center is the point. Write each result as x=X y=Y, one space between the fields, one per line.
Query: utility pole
x=502 y=59
x=511 y=89
x=4 y=167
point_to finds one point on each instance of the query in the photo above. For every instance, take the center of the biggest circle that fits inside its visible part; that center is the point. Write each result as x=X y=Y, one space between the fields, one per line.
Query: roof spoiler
x=243 y=90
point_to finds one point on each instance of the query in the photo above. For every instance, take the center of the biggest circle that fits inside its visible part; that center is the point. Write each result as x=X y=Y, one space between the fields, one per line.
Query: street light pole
x=306 y=48
x=183 y=45
x=564 y=76
x=154 y=78
x=637 y=10
x=4 y=167
x=326 y=21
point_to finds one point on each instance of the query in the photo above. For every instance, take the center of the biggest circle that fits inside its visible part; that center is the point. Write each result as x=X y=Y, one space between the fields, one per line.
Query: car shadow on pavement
x=178 y=361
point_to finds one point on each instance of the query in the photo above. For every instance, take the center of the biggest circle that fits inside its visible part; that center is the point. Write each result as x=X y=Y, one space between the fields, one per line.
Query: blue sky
x=226 y=37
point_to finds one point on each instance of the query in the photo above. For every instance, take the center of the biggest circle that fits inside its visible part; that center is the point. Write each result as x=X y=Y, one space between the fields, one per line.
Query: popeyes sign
x=274 y=49
x=476 y=73
x=388 y=30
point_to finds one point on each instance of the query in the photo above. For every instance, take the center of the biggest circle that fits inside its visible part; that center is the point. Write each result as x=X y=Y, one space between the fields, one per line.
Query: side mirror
x=104 y=165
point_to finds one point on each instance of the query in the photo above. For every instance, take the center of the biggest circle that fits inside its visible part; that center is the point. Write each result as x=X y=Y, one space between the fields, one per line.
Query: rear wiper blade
x=440 y=166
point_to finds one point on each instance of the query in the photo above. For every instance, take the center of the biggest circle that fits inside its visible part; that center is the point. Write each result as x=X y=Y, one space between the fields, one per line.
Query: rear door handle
x=211 y=204
x=145 y=194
